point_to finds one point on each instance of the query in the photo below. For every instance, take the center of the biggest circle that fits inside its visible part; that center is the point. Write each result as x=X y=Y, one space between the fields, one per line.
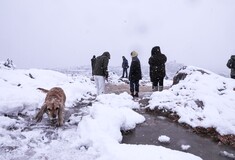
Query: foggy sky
x=59 y=33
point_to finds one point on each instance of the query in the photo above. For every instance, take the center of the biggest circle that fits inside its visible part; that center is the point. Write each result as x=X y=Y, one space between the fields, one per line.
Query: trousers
x=100 y=84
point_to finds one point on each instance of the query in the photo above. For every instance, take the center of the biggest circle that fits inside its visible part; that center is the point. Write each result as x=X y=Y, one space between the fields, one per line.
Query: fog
x=58 y=33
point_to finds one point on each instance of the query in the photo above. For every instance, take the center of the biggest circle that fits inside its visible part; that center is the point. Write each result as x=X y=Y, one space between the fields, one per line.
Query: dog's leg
x=40 y=113
x=61 y=116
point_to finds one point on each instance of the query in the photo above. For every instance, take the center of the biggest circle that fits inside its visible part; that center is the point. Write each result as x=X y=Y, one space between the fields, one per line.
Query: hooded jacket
x=125 y=63
x=157 y=64
x=101 y=65
x=231 y=65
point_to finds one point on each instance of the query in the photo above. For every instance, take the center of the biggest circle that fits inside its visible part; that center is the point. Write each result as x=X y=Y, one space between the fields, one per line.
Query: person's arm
x=229 y=63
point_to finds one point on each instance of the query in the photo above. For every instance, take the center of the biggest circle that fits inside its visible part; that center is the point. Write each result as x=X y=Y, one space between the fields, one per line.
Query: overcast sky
x=63 y=33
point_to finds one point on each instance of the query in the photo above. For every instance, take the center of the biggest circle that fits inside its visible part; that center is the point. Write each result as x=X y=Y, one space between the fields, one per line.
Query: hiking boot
x=136 y=94
x=132 y=94
x=160 y=88
x=155 y=88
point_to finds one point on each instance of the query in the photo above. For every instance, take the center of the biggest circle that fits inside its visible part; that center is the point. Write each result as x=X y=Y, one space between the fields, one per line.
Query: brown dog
x=53 y=105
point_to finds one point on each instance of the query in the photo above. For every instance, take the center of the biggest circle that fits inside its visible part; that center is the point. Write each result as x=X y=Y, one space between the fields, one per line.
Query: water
x=155 y=126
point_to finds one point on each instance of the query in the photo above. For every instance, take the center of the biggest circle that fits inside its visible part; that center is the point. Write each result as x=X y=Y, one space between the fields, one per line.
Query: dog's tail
x=43 y=90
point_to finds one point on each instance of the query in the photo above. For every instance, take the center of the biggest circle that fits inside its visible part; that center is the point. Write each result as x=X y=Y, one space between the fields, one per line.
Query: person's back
x=157 y=68
x=157 y=64
x=135 y=74
x=101 y=72
x=135 y=69
x=124 y=62
x=101 y=64
x=125 y=66
x=231 y=65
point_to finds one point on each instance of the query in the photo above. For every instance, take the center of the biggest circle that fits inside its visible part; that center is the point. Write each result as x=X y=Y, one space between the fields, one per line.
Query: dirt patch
x=120 y=88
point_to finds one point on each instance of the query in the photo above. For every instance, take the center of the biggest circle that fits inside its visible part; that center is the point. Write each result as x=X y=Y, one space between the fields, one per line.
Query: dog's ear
x=41 y=112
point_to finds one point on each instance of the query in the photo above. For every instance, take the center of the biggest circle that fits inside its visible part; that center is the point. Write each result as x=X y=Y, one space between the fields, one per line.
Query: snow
x=229 y=155
x=202 y=99
x=185 y=147
x=92 y=133
x=164 y=139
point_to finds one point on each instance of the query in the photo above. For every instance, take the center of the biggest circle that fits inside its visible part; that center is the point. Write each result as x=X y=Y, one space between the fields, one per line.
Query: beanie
x=134 y=54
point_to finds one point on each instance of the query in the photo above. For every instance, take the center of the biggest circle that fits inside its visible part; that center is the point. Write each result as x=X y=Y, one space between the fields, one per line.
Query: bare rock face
x=178 y=77
x=182 y=74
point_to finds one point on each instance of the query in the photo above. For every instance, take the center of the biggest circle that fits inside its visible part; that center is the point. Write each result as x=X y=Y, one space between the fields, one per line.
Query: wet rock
x=178 y=77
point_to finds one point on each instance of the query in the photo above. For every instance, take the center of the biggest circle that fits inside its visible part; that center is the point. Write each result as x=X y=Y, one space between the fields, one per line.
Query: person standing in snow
x=125 y=66
x=135 y=74
x=157 y=68
x=101 y=72
x=93 y=64
x=231 y=65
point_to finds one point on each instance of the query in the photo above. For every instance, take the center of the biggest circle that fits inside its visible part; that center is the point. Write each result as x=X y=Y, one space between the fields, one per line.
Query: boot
x=132 y=94
x=155 y=88
x=160 y=88
x=136 y=94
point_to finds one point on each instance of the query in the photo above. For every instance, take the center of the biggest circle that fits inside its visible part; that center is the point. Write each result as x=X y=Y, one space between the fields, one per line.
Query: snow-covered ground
x=94 y=132
x=202 y=99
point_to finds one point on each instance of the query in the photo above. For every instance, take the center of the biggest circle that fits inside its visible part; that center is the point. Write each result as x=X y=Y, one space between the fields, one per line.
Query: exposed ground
x=145 y=91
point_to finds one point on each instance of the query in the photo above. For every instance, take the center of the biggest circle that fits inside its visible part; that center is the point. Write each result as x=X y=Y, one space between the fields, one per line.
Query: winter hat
x=134 y=54
x=155 y=50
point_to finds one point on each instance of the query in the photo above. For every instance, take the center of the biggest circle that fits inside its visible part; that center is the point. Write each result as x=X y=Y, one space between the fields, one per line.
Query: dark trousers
x=232 y=76
x=134 y=86
x=158 y=82
x=124 y=72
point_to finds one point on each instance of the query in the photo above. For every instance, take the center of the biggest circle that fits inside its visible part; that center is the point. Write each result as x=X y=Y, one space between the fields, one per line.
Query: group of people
x=157 y=70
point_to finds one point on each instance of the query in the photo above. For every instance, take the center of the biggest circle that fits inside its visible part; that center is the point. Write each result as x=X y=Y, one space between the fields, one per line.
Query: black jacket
x=135 y=73
x=93 y=64
x=125 y=63
x=231 y=65
x=157 y=66
x=101 y=65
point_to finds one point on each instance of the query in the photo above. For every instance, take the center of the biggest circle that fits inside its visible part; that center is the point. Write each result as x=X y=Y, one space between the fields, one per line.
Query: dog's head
x=53 y=108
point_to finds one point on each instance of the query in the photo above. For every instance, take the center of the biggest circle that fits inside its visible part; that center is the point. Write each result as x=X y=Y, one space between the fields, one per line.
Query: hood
x=106 y=54
x=233 y=57
x=156 y=50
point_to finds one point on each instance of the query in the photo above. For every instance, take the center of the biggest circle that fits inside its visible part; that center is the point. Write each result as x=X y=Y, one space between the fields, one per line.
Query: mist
x=57 y=33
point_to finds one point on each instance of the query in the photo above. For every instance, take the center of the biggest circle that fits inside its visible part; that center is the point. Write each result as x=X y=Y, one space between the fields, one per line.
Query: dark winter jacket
x=101 y=65
x=157 y=64
x=231 y=65
x=93 y=64
x=125 y=63
x=135 y=73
